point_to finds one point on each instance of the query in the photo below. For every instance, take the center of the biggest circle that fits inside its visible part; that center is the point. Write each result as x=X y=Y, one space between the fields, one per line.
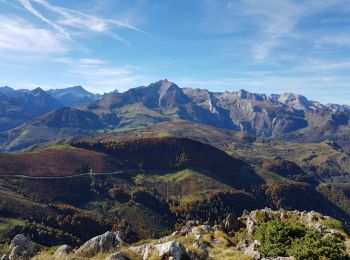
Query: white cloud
x=322 y=66
x=86 y=61
x=71 y=22
x=262 y=50
x=18 y=36
x=342 y=40
x=269 y=25
x=99 y=76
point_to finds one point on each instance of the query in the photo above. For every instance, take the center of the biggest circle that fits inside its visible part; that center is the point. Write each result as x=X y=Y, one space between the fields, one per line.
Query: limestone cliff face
x=288 y=116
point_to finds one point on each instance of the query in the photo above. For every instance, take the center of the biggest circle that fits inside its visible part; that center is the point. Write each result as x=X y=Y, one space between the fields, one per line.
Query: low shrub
x=293 y=239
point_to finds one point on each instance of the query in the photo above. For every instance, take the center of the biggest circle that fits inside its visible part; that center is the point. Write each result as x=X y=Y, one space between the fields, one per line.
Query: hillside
x=326 y=160
x=144 y=185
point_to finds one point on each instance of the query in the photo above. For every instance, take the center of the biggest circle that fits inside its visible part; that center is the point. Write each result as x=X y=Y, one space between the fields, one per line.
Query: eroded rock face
x=199 y=231
x=169 y=250
x=172 y=249
x=21 y=248
x=62 y=252
x=100 y=244
x=144 y=250
x=252 y=250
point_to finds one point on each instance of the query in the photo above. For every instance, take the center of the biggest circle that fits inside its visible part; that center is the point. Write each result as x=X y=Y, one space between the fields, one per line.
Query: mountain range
x=152 y=159
x=74 y=96
x=75 y=111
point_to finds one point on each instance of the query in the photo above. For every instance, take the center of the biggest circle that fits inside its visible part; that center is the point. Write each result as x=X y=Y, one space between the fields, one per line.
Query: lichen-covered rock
x=252 y=250
x=100 y=244
x=21 y=248
x=144 y=250
x=199 y=231
x=187 y=228
x=172 y=249
x=116 y=256
x=251 y=226
x=62 y=252
x=168 y=250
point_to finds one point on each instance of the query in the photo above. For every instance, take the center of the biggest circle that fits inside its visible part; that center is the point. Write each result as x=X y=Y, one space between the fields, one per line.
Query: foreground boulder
x=169 y=250
x=101 y=244
x=62 y=252
x=172 y=249
x=21 y=248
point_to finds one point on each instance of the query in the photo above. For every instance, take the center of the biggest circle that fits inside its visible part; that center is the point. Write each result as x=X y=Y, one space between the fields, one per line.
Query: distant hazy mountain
x=74 y=96
x=18 y=107
x=7 y=90
x=288 y=116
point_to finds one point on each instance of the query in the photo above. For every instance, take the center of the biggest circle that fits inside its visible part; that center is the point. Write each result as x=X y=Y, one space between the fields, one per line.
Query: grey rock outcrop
x=144 y=250
x=252 y=250
x=21 y=248
x=63 y=252
x=100 y=244
x=172 y=249
x=169 y=250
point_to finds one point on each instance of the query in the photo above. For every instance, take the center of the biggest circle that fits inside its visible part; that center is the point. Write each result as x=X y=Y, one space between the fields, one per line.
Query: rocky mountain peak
x=6 y=90
x=79 y=88
x=38 y=91
x=162 y=93
x=164 y=85
x=244 y=94
x=294 y=100
x=74 y=96
x=75 y=90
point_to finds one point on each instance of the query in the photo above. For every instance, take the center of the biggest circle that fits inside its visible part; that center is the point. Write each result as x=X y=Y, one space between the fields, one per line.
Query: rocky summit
x=259 y=234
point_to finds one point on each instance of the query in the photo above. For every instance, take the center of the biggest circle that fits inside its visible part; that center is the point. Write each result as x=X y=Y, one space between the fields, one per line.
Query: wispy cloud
x=323 y=66
x=67 y=21
x=16 y=35
x=342 y=40
x=269 y=25
x=98 y=75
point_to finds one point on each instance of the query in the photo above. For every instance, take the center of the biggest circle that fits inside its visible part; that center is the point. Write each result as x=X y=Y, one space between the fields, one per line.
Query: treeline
x=164 y=153
x=214 y=206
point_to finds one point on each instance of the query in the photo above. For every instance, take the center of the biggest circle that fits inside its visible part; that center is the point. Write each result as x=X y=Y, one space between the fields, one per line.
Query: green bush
x=279 y=238
x=315 y=246
x=276 y=237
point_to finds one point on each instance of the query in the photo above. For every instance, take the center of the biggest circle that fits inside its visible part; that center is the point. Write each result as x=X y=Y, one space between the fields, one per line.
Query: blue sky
x=264 y=46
